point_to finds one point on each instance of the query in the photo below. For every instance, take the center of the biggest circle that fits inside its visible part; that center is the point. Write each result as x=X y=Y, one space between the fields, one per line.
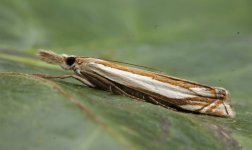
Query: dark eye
x=70 y=61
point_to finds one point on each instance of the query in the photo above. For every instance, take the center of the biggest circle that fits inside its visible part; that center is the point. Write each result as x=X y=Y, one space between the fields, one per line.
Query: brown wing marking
x=160 y=77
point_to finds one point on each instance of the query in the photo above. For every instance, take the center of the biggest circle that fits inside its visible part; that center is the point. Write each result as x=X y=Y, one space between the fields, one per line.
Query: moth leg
x=155 y=101
x=110 y=86
x=81 y=79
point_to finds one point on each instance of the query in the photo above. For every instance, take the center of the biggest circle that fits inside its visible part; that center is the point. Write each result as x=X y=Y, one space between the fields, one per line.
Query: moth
x=143 y=85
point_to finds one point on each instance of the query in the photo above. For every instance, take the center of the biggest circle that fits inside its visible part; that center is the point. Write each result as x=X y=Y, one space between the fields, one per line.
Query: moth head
x=63 y=60
x=69 y=62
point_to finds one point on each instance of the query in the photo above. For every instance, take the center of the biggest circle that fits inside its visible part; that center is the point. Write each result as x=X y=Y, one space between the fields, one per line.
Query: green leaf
x=208 y=42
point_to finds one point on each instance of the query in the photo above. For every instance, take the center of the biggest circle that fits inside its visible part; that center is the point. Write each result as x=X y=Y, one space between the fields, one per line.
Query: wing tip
x=222 y=109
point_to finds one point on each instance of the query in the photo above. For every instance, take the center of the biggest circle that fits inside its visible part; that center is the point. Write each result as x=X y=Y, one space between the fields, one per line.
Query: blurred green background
x=205 y=41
